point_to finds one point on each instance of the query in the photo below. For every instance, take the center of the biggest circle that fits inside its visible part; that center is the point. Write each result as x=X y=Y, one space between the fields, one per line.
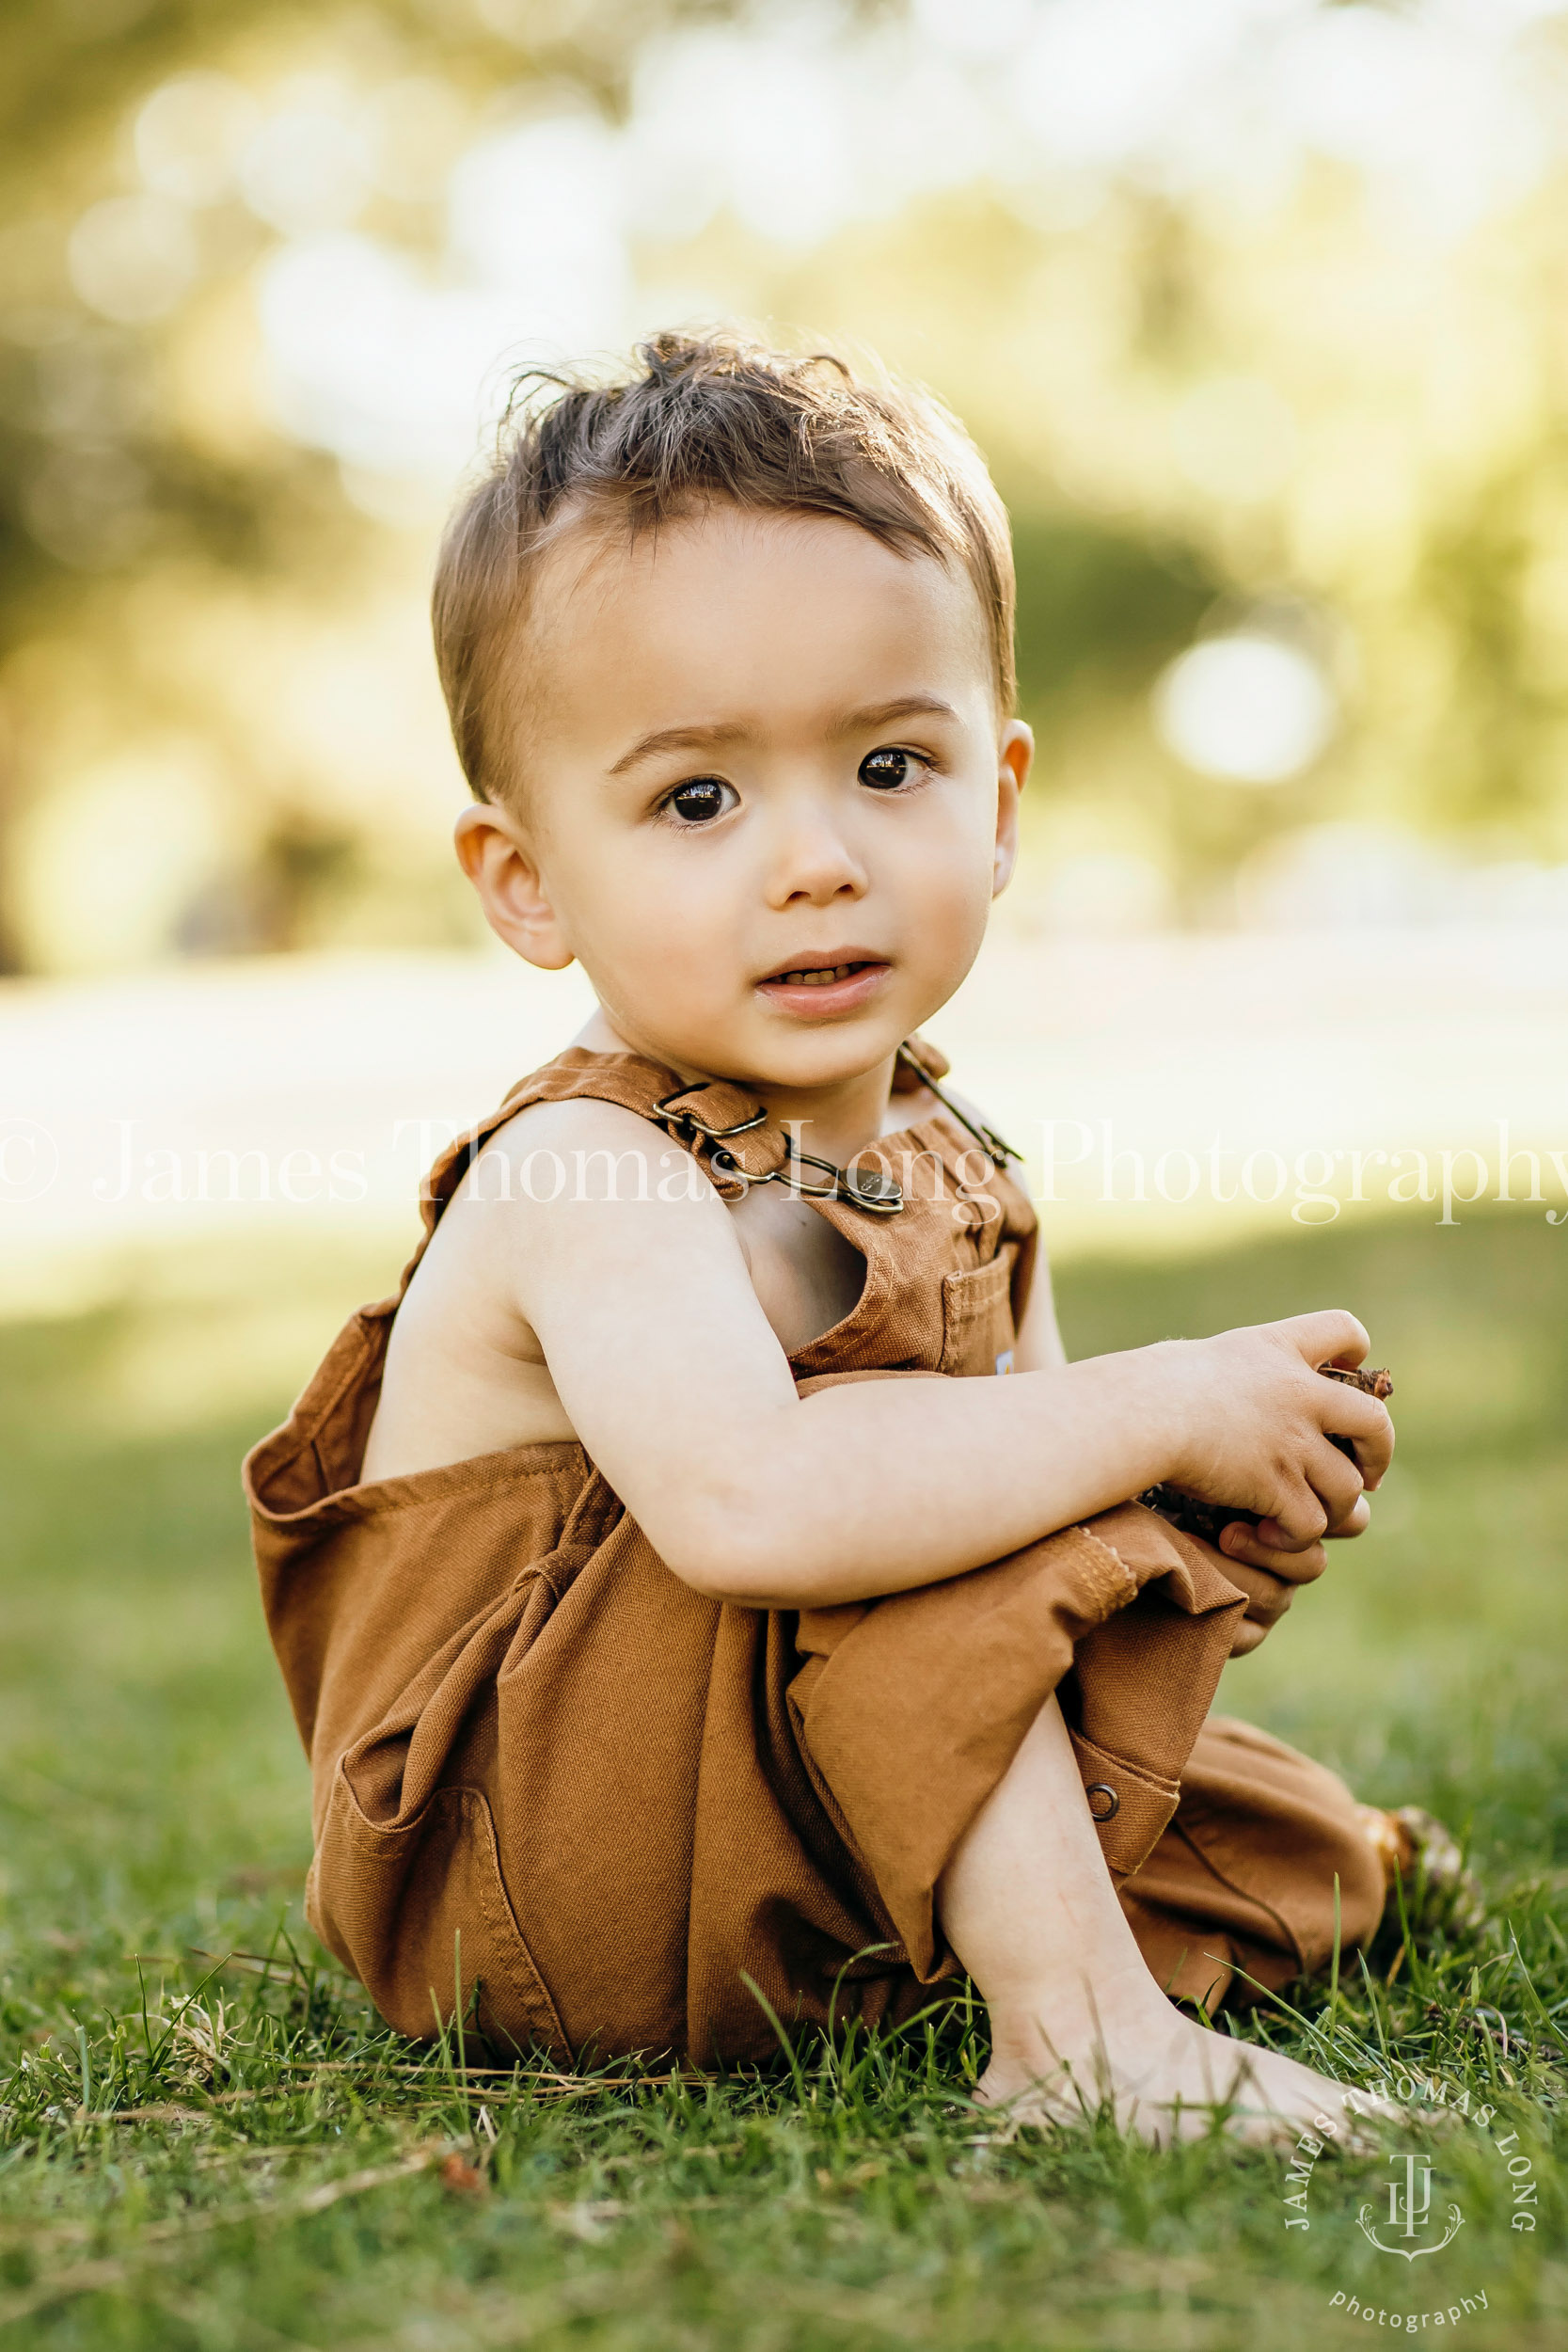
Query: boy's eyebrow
x=714 y=737
x=675 y=739
x=901 y=706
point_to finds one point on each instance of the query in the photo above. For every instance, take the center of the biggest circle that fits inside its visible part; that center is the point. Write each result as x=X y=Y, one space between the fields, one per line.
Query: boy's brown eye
x=699 y=802
x=886 y=769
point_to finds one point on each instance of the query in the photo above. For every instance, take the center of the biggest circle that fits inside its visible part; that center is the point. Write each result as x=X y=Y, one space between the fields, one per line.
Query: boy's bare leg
x=1076 y=2019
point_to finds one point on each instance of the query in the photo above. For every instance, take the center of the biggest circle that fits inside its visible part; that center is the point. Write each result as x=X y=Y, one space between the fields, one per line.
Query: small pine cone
x=1378 y=1382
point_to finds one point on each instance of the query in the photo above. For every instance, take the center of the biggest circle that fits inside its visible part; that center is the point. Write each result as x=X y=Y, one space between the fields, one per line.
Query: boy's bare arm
x=682 y=1395
x=1268 y=1574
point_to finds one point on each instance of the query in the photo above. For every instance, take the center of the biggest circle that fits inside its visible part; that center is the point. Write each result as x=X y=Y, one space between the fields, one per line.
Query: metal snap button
x=1110 y=1808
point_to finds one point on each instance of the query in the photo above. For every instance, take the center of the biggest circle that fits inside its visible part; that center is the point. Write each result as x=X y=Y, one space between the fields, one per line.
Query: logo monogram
x=1409 y=2207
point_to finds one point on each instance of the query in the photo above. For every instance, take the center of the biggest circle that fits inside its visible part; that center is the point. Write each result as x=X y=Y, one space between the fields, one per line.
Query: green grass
x=201 y=2149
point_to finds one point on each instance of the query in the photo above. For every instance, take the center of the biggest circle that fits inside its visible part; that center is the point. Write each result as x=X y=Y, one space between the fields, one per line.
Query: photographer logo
x=1410 y=2221
x=1409 y=2214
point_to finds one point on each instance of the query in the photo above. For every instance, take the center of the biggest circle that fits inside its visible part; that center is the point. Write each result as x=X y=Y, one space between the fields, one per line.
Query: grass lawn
x=207 y=2140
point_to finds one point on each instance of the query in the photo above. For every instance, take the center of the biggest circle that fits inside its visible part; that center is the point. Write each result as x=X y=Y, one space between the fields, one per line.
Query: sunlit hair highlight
x=700 y=420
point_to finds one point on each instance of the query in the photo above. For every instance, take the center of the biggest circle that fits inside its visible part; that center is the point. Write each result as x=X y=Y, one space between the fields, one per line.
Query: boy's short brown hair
x=703 y=418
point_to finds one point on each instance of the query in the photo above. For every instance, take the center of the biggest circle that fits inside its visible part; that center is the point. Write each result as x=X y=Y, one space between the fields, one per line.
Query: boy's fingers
x=1297 y=1523
x=1356 y=1524
x=1374 y=1451
x=1336 y=1480
x=1267 y=1607
x=1240 y=1542
x=1365 y=1419
x=1331 y=1336
x=1268 y=1596
x=1370 y=1434
x=1351 y=1411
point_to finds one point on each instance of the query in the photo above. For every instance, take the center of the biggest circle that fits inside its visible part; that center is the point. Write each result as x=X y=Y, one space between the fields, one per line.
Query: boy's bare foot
x=1163 y=2079
x=1078 y=2024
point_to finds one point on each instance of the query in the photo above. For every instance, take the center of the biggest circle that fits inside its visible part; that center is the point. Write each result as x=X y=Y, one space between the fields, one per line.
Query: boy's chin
x=831 y=1053
x=766 y=1048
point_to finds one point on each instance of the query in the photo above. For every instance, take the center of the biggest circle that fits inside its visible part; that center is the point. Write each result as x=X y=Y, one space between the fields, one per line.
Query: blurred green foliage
x=1202 y=403
x=1100 y=605
x=87 y=425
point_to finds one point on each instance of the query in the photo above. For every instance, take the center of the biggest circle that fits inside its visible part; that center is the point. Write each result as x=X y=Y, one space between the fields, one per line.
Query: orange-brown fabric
x=552 y=1779
x=1239 y=1890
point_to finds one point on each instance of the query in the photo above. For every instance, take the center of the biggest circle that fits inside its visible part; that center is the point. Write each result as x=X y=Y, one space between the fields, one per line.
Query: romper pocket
x=420 y=1913
x=977 y=1319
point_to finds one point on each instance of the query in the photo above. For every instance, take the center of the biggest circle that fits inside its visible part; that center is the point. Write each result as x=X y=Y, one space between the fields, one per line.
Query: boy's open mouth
x=830 y=986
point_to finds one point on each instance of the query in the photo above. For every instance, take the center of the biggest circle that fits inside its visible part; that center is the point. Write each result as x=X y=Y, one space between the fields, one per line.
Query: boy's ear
x=1015 y=757
x=495 y=855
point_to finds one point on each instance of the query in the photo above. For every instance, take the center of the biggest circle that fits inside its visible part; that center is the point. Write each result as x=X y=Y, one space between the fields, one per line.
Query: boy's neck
x=834 y=1121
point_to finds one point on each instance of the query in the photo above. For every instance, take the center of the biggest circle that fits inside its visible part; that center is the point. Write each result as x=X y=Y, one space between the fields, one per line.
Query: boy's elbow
x=743 y=1557
x=729 y=1589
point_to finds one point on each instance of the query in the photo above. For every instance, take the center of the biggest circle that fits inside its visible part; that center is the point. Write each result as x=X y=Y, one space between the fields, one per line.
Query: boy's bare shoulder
x=582 y=1151
x=582 y=1122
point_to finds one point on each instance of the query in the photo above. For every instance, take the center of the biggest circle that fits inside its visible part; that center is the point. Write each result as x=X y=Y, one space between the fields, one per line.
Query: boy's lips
x=836 y=982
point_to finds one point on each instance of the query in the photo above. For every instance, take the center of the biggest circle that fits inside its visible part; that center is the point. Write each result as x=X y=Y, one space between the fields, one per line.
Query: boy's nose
x=813 y=861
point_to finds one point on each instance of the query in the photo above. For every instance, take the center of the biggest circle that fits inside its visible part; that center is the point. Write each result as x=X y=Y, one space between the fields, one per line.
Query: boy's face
x=764 y=798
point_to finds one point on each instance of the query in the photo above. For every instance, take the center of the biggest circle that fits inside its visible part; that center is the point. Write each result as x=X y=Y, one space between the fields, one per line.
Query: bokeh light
x=190 y=134
x=133 y=257
x=304 y=170
x=1248 y=709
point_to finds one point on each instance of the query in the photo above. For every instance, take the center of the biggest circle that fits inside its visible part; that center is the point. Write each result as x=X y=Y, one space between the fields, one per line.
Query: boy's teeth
x=823 y=977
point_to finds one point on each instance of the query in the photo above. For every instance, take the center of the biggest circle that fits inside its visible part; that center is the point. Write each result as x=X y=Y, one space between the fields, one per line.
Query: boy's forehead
x=765 y=610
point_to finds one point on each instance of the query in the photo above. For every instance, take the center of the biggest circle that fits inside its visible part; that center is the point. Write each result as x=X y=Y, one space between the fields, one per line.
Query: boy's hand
x=1254 y=1416
x=1269 y=1576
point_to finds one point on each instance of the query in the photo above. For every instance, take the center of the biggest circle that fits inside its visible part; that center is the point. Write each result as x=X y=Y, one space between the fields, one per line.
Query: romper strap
x=725 y=1128
x=918 y=1060
x=654 y=1092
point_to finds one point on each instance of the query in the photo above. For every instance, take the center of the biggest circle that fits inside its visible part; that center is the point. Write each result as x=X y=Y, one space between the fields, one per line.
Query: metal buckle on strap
x=695 y=1127
x=861 y=1188
x=689 y=1127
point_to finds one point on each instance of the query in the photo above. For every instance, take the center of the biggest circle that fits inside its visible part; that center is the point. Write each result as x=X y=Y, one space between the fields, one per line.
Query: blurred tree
x=1210 y=401
x=1496 y=760
x=102 y=474
x=1100 y=605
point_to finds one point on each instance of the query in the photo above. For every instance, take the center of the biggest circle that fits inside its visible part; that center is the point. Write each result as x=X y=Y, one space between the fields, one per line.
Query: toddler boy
x=669 y=1592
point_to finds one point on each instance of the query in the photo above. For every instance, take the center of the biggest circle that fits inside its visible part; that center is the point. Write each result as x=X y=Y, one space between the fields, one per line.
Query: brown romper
x=554 y=1781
